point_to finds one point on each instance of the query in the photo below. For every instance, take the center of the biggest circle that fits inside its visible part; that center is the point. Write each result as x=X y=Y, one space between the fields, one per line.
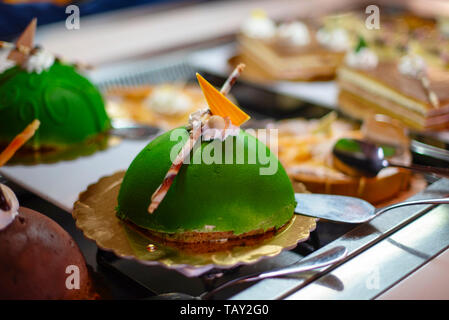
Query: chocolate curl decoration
x=227 y=125
x=431 y=95
x=422 y=77
x=160 y=192
x=232 y=79
x=19 y=141
x=195 y=134
x=24 y=44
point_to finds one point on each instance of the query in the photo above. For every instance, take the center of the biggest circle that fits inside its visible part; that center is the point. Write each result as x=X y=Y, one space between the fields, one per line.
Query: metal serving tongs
x=323 y=259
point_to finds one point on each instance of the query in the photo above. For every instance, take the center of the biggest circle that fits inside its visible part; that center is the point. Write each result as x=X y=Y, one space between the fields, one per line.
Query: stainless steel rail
x=391 y=246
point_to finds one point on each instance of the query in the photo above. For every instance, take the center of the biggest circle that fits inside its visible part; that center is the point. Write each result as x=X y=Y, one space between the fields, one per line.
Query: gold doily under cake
x=94 y=213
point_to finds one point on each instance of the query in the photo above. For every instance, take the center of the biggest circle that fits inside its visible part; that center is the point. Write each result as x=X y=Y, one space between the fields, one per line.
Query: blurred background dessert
x=34 y=84
x=163 y=105
x=306 y=150
x=290 y=50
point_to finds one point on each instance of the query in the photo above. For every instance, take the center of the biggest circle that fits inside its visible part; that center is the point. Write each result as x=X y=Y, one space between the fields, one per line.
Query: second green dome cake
x=69 y=107
x=34 y=84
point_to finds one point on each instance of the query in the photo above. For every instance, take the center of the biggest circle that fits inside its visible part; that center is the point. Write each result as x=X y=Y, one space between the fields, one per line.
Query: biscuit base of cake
x=202 y=242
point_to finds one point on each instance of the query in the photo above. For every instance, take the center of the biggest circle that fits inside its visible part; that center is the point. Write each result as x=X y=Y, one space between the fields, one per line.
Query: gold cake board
x=95 y=215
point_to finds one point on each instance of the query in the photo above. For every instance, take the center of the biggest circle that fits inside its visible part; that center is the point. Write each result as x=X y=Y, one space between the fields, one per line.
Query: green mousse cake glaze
x=68 y=106
x=207 y=197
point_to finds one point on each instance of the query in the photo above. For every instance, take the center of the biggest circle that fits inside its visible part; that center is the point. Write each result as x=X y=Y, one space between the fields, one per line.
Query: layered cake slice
x=290 y=51
x=405 y=89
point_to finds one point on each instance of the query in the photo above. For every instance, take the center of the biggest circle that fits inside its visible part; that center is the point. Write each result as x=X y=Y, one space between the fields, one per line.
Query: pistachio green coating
x=68 y=106
x=228 y=197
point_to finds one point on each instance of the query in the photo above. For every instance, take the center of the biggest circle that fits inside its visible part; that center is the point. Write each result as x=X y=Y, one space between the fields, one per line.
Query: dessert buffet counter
x=396 y=233
x=97 y=151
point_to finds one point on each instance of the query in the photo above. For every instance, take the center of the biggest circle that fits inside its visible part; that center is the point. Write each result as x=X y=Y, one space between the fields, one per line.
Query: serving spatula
x=347 y=209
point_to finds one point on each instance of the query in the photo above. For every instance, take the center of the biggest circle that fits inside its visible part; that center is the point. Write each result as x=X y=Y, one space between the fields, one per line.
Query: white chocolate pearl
x=216 y=122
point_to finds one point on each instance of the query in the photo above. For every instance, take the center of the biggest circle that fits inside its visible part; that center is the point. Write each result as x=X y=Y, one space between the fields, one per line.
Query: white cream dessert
x=169 y=100
x=165 y=105
x=259 y=26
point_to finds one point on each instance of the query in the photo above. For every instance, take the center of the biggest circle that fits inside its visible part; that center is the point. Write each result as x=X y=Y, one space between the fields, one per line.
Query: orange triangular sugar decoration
x=220 y=105
x=26 y=40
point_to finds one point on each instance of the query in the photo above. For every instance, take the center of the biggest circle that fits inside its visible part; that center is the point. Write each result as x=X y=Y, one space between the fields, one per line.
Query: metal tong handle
x=414 y=202
x=326 y=258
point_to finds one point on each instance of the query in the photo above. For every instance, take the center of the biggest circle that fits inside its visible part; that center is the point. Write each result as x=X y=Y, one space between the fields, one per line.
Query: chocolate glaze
x=4 y=204
x=35 y=253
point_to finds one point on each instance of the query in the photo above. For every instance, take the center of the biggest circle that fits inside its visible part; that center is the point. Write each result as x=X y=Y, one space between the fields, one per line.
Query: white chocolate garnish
x=7 y=216
x=412 y=65
x=39 y=61
x=219 y=128
x=259 y=26
x=169 y=100
x=336 y=40
x=5 y=63
x=363 y=59
x=295 y=33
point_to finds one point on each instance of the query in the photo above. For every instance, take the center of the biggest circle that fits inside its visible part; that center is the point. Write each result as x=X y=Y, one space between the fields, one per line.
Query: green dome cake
x=69 y=107
x=220 y=200
x=36 y=85
x=206 y=197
